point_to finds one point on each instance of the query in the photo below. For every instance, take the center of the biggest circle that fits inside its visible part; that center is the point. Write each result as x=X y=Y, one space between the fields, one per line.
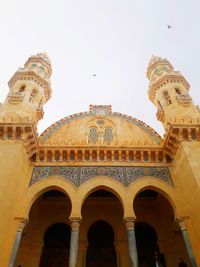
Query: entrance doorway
x=146 y=239
x=157 y=233
x=55 y=252
x=101 y=250
x=46 y=239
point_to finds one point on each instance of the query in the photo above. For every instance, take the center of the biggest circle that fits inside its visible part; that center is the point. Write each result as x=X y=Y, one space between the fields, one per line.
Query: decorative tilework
x=108 y=135
x=79 y=175
x=93 y=136
x=135 y=173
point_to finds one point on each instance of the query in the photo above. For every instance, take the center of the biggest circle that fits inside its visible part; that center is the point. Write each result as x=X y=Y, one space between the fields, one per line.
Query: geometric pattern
x=80 y=174
x=108 y=136
x=93 y=136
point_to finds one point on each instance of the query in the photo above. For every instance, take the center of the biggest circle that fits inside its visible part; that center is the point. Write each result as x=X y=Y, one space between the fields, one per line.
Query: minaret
x=29 y=88
x=168 y=90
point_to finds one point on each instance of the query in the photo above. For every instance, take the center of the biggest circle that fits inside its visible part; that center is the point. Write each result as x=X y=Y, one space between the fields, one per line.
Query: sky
x=113 y=39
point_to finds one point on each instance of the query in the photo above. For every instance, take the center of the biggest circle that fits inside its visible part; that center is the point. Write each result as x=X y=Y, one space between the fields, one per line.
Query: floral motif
x=79 y=175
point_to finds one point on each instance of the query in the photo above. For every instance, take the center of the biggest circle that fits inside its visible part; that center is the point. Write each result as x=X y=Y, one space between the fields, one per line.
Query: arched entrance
x=146 y=239
x=103 y=230
x=45 y=241
x=156 y=231
x=101 y=250
x=55 y=252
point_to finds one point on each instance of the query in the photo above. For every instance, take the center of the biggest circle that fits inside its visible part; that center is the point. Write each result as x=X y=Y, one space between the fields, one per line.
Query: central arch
x=102 y=230
x=146 y=238
x=101 y=250
x=56 y=246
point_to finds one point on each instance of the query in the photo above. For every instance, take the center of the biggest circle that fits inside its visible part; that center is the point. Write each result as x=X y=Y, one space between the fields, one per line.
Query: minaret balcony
x=184 y=99
x=160 y=115
x=16 y=97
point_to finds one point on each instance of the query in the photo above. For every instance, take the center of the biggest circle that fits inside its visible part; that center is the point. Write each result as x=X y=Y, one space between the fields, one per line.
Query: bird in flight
x=168 y=26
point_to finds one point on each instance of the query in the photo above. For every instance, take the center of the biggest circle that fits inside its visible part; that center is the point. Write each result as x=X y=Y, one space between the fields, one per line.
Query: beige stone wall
x=186 y=169
x=14 y=179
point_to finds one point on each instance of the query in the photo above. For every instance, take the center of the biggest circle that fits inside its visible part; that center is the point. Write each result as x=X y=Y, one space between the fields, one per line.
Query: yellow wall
x=14 y=179
x=186 y=169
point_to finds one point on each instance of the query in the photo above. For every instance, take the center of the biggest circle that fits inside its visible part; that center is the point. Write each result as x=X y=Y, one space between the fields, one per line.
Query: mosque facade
x=99 y=188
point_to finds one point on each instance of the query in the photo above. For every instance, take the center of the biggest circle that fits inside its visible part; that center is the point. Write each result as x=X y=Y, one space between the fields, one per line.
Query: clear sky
x=112 y=38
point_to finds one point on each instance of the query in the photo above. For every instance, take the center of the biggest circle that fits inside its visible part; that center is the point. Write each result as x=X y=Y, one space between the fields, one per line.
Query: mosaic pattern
x=93 y=136
x=108 y=136
x=78 y=175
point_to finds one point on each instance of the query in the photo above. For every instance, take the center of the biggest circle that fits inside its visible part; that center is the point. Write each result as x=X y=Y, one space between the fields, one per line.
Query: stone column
x=130 y=223
x=185 y=234
x=22 y=223
x=75 y=224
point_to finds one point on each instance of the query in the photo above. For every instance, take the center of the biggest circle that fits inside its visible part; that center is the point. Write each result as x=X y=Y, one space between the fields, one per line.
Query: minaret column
x=130 y=227
x=22 y=224
x=75 y=225
x=186 y=238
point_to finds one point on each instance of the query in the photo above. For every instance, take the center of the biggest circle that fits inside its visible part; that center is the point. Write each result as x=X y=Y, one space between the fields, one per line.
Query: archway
x=102 y=230
x=101 y=250
x=156 y=230
x=45 y=240
x=55 y=252
x=146 y=239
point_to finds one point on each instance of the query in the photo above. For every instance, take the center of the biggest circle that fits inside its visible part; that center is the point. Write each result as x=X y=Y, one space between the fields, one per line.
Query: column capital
x=181 y=222
x=22 y=223
x=130 y=223
x=75 y=223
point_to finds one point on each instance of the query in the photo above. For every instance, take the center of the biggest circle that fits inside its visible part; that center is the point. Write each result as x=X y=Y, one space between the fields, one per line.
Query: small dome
x=45 y=57
x=154 y=61
x=40 y=57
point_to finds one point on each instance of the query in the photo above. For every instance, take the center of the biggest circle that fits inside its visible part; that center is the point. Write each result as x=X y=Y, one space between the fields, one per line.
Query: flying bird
x=169 y=26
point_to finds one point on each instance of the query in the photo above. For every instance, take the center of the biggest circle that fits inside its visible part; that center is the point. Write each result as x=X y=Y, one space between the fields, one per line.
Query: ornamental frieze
x=78 y=175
